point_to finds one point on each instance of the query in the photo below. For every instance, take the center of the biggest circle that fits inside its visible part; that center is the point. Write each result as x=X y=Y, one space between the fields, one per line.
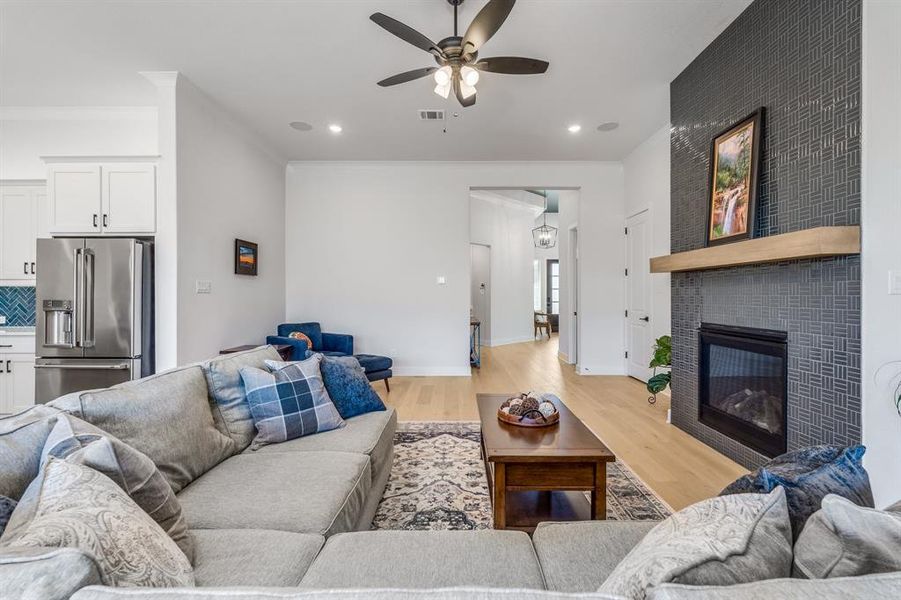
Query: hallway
x=678 y=467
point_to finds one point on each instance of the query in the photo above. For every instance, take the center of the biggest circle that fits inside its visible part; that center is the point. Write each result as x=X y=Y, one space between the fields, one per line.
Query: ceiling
x=272 y=62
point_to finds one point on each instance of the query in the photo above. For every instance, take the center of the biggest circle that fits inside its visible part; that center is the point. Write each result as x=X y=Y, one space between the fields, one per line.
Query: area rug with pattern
x=438 y=482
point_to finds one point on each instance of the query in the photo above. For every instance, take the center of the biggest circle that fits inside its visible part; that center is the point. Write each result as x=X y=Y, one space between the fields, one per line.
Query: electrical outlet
x=442 y=280
x=203 y=286
x=2 y=319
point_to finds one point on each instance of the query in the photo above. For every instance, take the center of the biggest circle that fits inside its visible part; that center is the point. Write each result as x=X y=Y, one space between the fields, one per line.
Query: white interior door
x=638 y=296
x=574 y=297
x=480 y=288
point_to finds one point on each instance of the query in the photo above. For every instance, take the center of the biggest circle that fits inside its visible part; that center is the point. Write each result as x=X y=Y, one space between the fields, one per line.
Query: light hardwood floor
x=675 y=465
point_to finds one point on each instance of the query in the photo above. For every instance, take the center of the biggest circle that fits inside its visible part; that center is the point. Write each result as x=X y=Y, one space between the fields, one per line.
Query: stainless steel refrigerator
x=94 y=314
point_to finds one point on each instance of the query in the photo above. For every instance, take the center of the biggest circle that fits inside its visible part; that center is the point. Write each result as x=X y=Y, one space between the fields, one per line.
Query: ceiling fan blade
x=407 y=76
x=406 y=33
x=464 y=102
x=486 y=24
x=512 y=65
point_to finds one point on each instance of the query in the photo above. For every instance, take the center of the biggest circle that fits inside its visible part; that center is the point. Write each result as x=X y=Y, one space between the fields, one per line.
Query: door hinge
x=627 y=272
x=627 y=354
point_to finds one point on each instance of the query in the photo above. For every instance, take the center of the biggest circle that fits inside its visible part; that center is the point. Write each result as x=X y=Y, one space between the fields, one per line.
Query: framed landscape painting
x=733 y=181
x=246 y=258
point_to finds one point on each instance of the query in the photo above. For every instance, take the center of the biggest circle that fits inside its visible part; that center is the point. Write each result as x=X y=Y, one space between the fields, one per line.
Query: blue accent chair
x=377 y=368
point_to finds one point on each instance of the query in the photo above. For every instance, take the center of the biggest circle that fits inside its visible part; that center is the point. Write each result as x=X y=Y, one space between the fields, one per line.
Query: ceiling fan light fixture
x=466 y=90
x=443 y=76
x=469 y=76
x=443 y=90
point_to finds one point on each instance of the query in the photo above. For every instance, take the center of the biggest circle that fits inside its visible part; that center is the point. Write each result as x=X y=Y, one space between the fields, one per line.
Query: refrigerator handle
x=78 y=324
x=88 y=298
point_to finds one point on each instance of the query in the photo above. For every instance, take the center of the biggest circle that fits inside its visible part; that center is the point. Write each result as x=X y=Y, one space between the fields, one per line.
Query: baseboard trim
x=601 y=370
x=564 y=357
x=432 y=371
x=508 y=341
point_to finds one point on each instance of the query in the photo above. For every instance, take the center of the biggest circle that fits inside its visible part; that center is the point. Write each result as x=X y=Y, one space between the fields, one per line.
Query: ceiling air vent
x=431 y=115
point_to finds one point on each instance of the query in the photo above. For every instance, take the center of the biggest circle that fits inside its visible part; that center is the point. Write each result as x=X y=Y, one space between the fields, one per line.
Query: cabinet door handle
x=32 y=268
x=95 y=220
x=106 y=220
x=6 y=345
x=7 y=366
x=26 y=269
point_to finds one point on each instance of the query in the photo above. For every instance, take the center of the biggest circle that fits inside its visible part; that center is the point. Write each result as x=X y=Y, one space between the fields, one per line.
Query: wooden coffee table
x=540 y=474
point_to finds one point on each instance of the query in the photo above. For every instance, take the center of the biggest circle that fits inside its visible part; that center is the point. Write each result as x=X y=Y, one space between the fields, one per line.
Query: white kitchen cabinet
x=128 y=195
x=16 y=382
x=23 y=219
x=107 y=197
x=74 y=198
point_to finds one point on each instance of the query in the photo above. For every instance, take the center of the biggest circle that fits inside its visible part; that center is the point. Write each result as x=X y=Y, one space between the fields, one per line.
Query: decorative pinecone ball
x=516 y=409
x=506 y=410
x=529 y=404
x=515 y=402
x=547 y=409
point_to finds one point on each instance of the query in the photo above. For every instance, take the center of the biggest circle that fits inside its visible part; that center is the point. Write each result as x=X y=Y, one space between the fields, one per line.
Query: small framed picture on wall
x=246 y=257
x=734 y=166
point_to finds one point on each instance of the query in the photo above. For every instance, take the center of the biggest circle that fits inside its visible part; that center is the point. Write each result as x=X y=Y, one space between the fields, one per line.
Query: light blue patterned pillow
x=346 y=383
x=289 y=403
x=7 y=505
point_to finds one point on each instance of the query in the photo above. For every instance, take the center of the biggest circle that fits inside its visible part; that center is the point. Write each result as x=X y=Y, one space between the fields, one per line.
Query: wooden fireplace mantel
x=819 y=242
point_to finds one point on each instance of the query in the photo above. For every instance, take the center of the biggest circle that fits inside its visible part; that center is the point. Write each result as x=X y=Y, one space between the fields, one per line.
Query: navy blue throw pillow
x=808 y=475
x=347 y=385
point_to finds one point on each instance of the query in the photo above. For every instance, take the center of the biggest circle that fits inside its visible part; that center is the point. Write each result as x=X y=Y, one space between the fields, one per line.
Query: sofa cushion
x=843 y=540
x=227 y=557
x=77 y=441
x=808 y=475
x=303 y=492
x=372 y=362
x=719 y=541
x=227 y=397
x=290 y=402
x=455 y=593
x=371 y=434
x=843 y=588
x=7 y=506
x=22 y=438
x=426 y=559
x=578 y=557
x=45 y=573
x=165 y=416
x=78 y=507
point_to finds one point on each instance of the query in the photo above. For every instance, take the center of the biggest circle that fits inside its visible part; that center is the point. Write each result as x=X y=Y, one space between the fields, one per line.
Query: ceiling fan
x=457 y=57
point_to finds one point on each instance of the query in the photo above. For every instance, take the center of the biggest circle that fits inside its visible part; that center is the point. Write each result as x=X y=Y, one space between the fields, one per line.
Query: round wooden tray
x=527 y=421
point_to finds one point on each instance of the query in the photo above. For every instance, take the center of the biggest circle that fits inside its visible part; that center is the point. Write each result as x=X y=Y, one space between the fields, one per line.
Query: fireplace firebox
x=743 y=385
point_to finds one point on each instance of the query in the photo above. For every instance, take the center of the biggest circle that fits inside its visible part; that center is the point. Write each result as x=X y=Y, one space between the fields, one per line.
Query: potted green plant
x=662 y=359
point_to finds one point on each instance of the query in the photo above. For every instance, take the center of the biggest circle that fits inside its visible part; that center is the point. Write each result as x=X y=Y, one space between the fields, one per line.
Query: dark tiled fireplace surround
x=801 y=61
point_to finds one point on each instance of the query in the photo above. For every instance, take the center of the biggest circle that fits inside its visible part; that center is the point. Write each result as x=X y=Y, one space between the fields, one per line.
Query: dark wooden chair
x=542 y=323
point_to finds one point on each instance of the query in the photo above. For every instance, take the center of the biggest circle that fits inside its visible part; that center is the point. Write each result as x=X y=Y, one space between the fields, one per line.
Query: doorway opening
x=524 y=235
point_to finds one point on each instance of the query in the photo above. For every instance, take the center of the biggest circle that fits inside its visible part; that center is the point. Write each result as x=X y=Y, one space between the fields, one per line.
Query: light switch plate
x=894 y=282
x=203 y=286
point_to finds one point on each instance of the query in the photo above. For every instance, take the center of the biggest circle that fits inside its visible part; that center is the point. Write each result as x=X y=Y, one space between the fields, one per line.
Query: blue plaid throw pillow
x=289 y=403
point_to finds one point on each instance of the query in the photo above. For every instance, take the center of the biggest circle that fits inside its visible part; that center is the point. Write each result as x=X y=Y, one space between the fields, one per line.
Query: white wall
x=881 y=215
x=506 y=226
x=646 y=173
x=27 y=133
x=376 y=236
x=228 y=186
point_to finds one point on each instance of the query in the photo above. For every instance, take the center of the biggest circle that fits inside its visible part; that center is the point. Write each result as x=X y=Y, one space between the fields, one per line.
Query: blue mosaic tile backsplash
x=17 y=305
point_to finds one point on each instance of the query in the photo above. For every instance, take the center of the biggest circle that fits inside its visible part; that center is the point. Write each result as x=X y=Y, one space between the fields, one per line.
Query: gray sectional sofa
x=292 y=520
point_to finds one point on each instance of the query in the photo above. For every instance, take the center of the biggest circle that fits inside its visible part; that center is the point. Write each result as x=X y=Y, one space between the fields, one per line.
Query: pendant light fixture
x=545 y=236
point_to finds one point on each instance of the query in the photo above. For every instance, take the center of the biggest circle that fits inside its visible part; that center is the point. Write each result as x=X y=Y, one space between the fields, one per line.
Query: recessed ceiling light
x=574 y=128
x=300 y=126
x=335 y=128
x=608 y=126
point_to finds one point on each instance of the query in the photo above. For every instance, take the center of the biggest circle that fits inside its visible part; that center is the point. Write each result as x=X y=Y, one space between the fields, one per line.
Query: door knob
x=645 y=319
